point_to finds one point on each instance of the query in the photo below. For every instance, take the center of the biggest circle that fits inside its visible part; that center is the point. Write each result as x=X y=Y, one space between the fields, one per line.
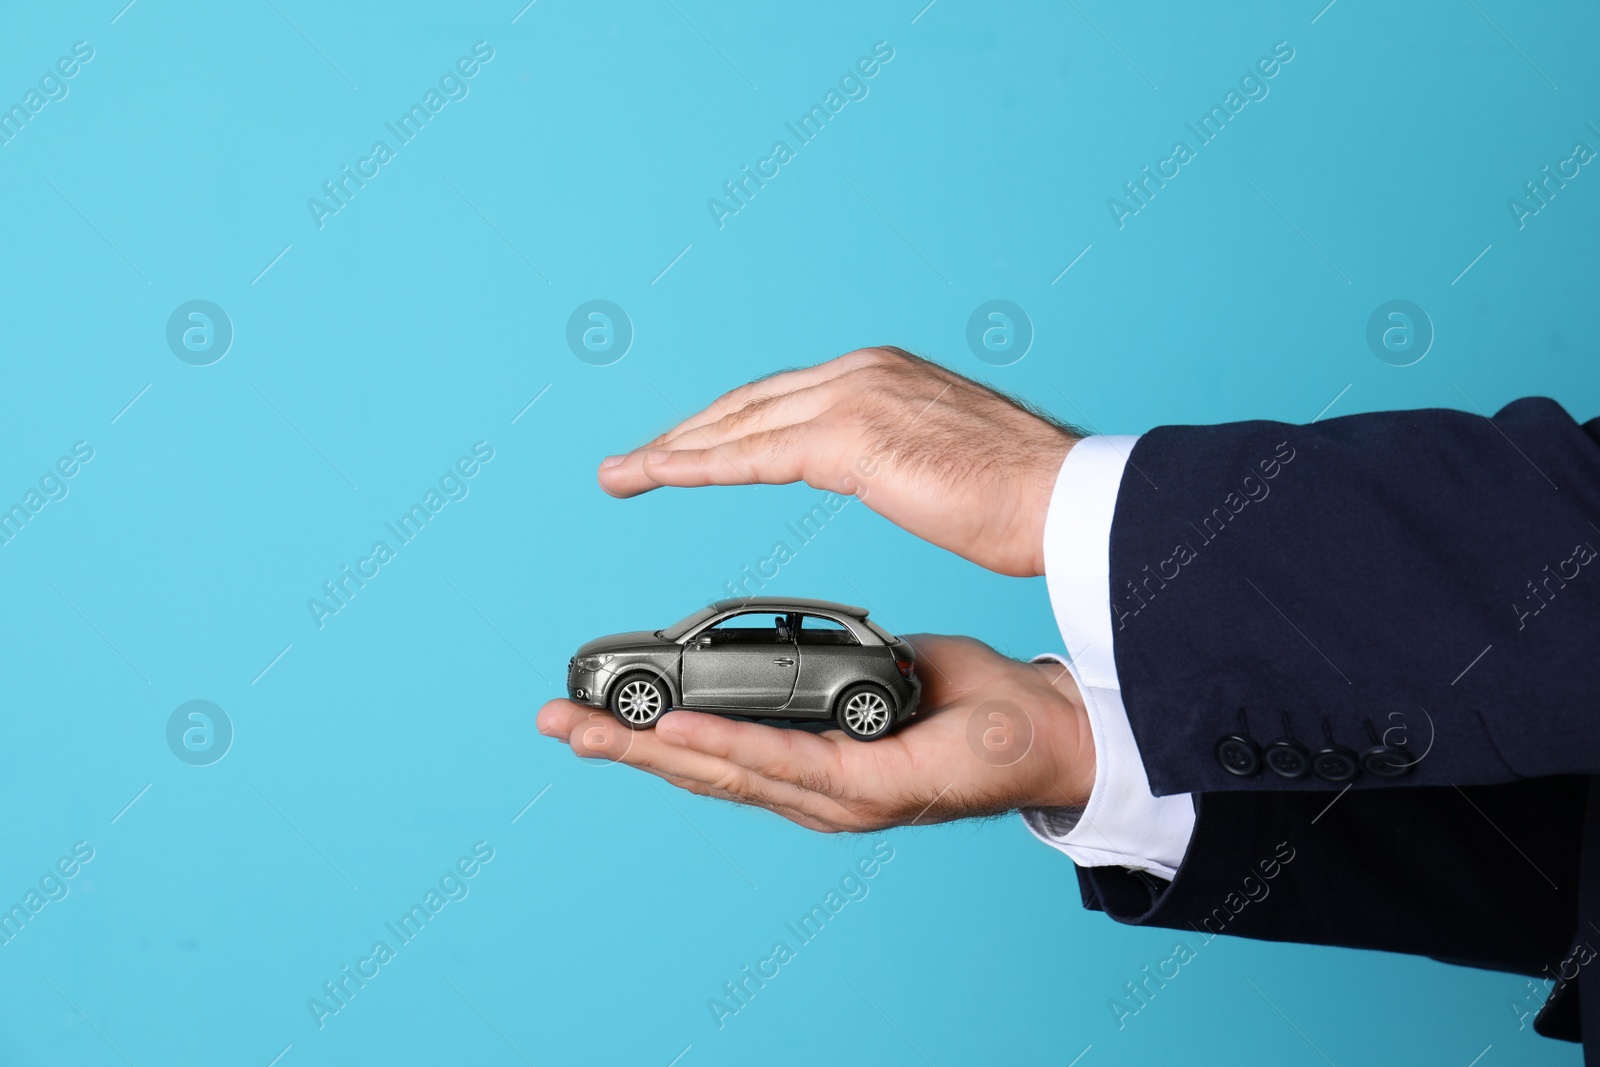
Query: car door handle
x=784 y=661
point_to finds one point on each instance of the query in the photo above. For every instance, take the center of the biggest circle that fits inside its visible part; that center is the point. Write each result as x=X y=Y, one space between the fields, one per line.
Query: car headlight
x=593 y=663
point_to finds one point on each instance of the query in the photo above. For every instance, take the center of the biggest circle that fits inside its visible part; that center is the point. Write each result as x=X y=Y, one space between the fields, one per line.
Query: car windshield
x=678 y=629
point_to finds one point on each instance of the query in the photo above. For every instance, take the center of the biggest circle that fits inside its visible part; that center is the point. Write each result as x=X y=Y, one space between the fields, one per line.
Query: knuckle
x=731 y=399
x=880 y=356
x=735 y=783
x=745 y=413
x=864 y=358
x=816 y=781
x=861 y=814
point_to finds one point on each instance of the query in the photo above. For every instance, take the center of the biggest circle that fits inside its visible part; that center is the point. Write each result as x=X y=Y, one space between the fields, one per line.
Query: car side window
x=820 y=630
x=750 y=628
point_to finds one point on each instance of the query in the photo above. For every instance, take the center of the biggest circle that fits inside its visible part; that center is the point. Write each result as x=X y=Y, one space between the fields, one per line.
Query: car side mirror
x=703 y=641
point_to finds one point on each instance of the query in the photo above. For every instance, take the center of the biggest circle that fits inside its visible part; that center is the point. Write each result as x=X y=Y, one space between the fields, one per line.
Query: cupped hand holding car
x=948 y=460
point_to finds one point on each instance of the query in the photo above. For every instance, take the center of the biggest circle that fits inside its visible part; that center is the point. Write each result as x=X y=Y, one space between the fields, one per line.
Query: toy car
x=761 y=657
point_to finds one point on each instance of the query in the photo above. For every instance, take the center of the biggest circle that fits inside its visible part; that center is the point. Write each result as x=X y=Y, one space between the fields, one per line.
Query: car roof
x=774 y=603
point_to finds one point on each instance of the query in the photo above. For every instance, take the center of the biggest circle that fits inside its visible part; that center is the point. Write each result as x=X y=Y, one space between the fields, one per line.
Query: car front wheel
x=639 y=700
x=865 y=712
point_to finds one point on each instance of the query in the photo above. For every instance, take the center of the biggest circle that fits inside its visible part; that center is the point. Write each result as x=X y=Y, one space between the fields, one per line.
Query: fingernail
x=612 y=461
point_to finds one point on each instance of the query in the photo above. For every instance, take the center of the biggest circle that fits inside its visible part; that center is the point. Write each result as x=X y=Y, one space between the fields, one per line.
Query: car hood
x=621 y=642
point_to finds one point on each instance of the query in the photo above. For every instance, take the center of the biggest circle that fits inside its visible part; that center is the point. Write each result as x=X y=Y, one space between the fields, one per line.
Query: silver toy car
x=761 y=657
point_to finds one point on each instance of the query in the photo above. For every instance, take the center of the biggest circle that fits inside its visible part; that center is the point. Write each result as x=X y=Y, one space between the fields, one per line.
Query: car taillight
x=907 y=667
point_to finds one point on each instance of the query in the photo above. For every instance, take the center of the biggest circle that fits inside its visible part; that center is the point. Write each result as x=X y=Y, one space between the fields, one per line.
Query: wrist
x=1067 y=772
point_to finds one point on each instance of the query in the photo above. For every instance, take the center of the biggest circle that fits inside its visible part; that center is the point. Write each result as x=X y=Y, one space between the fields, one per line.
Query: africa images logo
x=52 y=88
x=339 y=592
x=452 y=886
x=1207 y=128
x=452 y=86
x=852 y=87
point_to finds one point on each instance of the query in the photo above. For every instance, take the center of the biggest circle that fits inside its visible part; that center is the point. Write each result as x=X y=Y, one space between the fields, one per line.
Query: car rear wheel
x=639 y=700
x=864 y=712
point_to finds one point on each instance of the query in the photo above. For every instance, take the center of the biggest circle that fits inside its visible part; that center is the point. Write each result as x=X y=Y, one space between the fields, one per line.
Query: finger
x=761 y=413
x=789 y=381
x=636 y=472
x=644 y=749
x=620 y=475
x=768 y=457
x=801 y=399
x=794 y=756
x=810 y=822
x=772 y=457
x=558 y=718
x=599 y=735
x=728 y=781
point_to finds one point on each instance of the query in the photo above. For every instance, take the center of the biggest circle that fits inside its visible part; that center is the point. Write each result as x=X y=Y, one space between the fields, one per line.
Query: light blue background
x=375 y=751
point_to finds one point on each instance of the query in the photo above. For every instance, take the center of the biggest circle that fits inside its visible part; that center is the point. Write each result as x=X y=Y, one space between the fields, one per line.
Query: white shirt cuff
x=1124 y=824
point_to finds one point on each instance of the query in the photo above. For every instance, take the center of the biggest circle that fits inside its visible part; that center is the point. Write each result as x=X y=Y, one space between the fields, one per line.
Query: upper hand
x=939 y=455
x=993 y=734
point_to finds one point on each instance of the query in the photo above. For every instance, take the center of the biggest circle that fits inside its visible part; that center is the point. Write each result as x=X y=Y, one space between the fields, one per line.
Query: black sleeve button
x=1335 y=764
x=1386 y=761
x=1239 y=755
x=1288 y=758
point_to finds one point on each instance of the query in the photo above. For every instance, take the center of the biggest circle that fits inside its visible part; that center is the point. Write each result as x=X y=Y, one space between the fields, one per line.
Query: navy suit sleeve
x=1407 y=598
x=1485 y=876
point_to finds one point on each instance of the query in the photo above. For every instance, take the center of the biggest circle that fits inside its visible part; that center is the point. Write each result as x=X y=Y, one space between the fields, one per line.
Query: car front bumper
x=587 y=687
